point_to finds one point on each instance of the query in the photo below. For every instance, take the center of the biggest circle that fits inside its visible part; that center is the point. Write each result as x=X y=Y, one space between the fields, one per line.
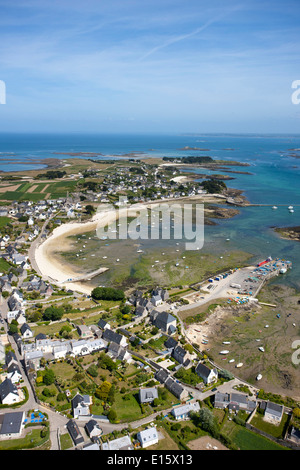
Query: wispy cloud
x=195 y=32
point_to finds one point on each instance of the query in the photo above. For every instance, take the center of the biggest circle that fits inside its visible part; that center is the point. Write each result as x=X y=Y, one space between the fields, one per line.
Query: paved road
x=56 y=421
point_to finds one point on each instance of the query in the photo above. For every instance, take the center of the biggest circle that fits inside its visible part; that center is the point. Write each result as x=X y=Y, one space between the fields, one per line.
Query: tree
x=296 y=412
x=102 y=392
x=205 y=420
x=89 y=209
x=125 y=309
x=105 y=362
x=13 y=328
x=107 y=293
x=213 y=186
x=112 y=416
x=53 y=313
x=92 y=370
x=49 y=377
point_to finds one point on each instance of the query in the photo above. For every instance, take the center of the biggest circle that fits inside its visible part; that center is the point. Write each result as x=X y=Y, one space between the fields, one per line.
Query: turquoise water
x=274 y=180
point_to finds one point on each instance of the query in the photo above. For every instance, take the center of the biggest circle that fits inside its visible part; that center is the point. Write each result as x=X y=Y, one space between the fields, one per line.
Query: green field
x=248 y=440
x=4 y=221
x=4 y=266
x=40 y=192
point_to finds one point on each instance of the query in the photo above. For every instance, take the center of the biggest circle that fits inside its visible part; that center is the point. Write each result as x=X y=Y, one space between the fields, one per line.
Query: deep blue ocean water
x=275 y=179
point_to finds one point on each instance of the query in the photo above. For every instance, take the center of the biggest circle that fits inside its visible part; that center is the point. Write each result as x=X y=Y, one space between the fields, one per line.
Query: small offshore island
x=289 y=233
x=134 y=318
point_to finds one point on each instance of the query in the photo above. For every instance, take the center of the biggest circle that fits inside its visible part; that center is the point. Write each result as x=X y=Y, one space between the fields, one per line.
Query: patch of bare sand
x=44 y=188
x=206 y=443
x=32 y=188
x=199 y=332
x=11 y=187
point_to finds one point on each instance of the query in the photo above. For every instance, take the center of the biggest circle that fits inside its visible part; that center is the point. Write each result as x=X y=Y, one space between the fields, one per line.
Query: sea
x=274 y=164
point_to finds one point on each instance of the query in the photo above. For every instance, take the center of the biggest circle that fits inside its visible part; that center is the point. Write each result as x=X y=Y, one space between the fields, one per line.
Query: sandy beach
x=50 y=266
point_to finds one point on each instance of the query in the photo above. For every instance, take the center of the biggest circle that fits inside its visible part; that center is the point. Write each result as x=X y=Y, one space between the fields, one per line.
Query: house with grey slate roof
x=8 y=392
x=273 y=412
x=12 y=425
x=164 y=321
x=148 y=395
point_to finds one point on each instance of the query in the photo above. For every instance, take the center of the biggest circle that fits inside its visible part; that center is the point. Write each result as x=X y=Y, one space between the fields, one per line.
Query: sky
x=149 y=66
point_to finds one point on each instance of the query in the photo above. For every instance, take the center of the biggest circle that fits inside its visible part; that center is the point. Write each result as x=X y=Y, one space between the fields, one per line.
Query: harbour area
x=239 y=285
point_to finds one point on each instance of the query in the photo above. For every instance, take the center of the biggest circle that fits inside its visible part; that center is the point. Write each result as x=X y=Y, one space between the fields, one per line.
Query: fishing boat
x=274 y=207
x=240 y=364
x=231 y=360
x=224 y=351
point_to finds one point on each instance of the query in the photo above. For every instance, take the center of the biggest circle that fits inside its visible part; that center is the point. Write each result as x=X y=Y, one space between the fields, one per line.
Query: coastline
x=45 y=254
x=288 y=233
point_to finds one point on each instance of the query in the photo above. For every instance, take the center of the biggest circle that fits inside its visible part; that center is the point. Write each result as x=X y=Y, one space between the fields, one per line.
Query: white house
x=60 y=350
x=14 y=373
x=208 y=375
x=26 y=332
x=148 y=437
x=12 y=425
x=80 y=348
x=93 y=429
x=273 y=412
x=18 y=315
x=81 y=405
x=122 y=443
x=8 y=392
x=183 y=412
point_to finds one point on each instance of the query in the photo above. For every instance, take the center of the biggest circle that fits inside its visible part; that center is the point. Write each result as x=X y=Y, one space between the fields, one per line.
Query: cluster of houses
x=145 y=307
x=234 y=402
x=147 y=178
x=11 y=377
x=43 y=210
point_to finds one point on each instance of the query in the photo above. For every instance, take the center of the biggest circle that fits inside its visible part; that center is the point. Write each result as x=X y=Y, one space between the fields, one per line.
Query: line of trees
x=107 y=293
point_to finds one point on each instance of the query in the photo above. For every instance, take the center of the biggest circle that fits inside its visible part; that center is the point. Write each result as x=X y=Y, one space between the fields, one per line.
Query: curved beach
x=50 y=266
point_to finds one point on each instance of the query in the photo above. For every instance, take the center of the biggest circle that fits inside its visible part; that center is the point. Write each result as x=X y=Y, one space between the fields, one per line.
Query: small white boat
x=261 y=349
x=140 y=251
x=274 y=207
x=266 y=326
x=226 y=342
x=224 y=351
x=104 y=257
x=291 y=211
x=290 y=208
x=259 y=377
x=231 y=360
x=240 y=364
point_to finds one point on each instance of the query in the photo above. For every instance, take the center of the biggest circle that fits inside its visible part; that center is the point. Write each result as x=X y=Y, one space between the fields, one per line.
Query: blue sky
x=149 y=66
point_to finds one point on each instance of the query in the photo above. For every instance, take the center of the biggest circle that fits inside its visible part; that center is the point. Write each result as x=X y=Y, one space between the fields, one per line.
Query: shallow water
x=275 y=179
